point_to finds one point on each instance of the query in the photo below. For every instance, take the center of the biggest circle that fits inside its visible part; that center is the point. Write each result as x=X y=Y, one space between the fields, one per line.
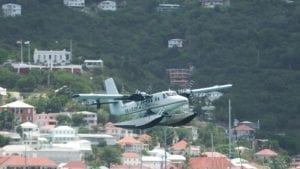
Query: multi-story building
x=23 y=112
x=44 y=119
x=108 y=5
x=74 y=3
x=52 y=58
x=90 y=118
x=179 y=77
x=172 y=43
x=130 y=144
x=62 y=134
x=11 y=10
x=30 y=133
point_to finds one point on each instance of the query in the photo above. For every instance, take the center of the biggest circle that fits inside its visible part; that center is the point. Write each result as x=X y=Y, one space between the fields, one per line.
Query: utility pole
x=229 y=130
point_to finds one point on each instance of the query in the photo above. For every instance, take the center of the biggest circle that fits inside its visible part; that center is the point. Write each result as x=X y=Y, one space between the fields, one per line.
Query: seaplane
x=163 y=108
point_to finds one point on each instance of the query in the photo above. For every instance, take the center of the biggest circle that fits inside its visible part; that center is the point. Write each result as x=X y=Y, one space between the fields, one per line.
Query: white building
x=214 y=3
x=62 y=134
x=30 y=133
x=3 y=91
x=90 y=64
x=96 y=138
x=52 y=57
x=175 y=43
x=74 y=3
x=167 y=7
x=108 y=5
x=89 y=117
x=11 y=9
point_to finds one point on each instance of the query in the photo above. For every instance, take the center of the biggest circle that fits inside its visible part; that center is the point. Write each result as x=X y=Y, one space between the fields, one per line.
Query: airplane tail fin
x=111 y=88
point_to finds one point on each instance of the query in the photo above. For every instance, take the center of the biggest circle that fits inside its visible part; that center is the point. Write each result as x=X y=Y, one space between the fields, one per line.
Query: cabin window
x=164 y=96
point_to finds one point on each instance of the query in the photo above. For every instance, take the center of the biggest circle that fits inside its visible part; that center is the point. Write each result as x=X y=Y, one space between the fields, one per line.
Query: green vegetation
x=252 y=44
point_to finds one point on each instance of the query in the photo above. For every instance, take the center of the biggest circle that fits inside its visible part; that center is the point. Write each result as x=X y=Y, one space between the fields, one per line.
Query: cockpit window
x=171 y=93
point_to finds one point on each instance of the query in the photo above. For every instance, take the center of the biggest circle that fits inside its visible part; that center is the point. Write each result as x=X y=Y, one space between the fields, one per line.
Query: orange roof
x=180 y=145
x=208 y=162
x=213 y=154
x=266 y=152
x=144 y=138
x=75 y=165
x=243 y=127
x=128 y=140
x=29 y=161
x=130 y=155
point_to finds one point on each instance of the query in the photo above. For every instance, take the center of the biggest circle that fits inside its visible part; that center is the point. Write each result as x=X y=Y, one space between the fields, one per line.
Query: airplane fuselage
x=161 y=102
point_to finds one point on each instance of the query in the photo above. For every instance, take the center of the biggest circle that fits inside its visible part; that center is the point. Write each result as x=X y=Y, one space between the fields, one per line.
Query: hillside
x=251 y=44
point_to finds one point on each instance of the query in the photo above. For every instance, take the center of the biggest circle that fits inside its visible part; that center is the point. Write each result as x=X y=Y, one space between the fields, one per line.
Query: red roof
x=266 y=152
x=180 y=145
x=212 y=154
x=243 y=127
x=208 y=162
x=128 y=140
x=75 y=165
x=29 y=161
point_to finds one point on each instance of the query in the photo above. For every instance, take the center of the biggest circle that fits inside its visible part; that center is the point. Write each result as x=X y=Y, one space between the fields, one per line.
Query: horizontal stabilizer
x=140 y=123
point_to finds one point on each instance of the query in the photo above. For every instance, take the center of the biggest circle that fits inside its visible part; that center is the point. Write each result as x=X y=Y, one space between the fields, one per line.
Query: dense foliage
x=251 y=44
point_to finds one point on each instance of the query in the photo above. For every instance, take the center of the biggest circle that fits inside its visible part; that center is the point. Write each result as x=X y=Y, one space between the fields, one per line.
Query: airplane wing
x=188 y=92
x=101 y=97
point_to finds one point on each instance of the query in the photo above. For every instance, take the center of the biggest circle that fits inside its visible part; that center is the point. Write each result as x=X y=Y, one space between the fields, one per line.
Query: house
x=172 y=43
x=117 y=132
x=182 y=148
x=51 y=58
x=11 y=10
x=238 y=163
x=167 y=7
x=89 y=118
x=44 y=119
x=30 y=133
x=131 y=159
x=179 y=148
x=62 y=134
x=107 y=6
x=214 y=3
x=74 y=3
x=209 y=162
x=92 y=64
x=265 y=155
x=23 y=112
x=130 y=144
x=7 y=162
x=124 y=166
x=243 y=131
x=176 y=161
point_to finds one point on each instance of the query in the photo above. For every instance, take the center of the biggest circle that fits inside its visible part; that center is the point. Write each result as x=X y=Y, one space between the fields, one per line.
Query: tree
x=4 y=141
x=78 y=120
x=63 y=120
x=6 y=120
